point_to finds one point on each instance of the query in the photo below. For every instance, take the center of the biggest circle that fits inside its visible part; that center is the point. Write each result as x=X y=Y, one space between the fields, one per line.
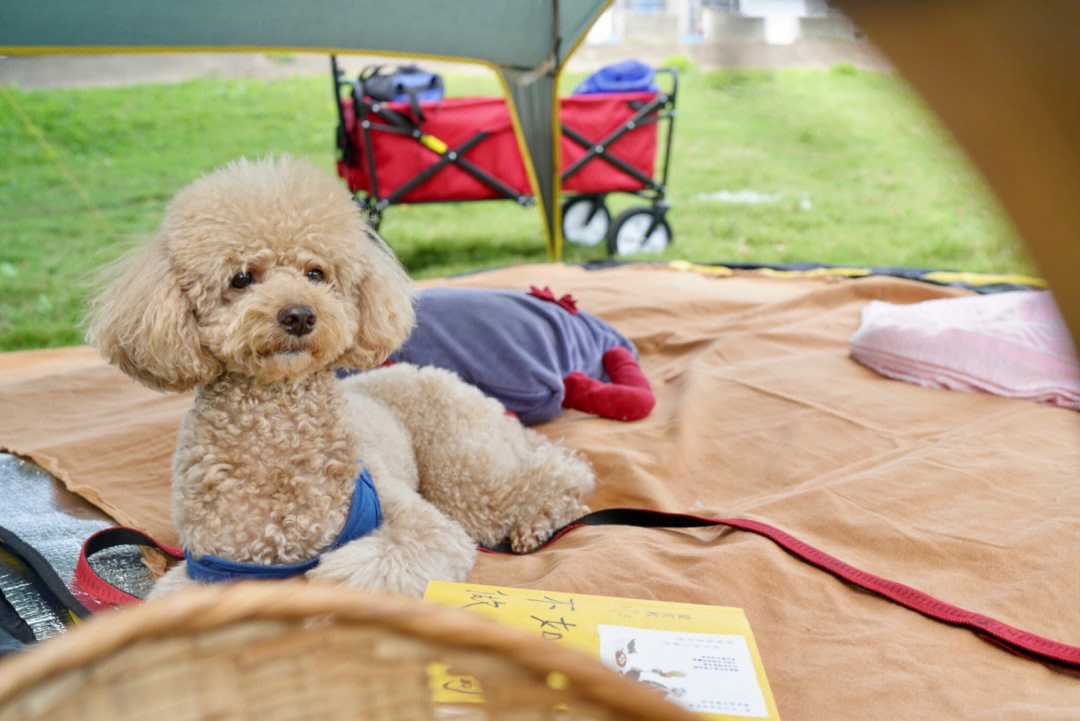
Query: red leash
x=97 y=587
x=1051 y=653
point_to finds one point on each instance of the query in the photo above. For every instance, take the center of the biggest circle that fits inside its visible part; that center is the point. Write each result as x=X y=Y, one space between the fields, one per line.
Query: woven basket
x=293 y=650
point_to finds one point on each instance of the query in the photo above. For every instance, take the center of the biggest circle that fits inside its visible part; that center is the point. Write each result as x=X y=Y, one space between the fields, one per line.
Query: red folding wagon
x=463 y=149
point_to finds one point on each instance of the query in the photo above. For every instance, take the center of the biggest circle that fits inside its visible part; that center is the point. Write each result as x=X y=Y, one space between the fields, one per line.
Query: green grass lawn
x=854 y=167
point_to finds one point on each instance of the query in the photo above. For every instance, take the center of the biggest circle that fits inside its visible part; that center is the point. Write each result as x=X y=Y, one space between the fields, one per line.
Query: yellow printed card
x=701 y=657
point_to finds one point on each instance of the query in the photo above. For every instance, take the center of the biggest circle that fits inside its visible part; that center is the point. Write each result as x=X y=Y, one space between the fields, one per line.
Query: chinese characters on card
x=701 y=657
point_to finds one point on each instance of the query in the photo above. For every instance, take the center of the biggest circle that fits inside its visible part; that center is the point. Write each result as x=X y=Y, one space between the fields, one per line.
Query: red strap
x=97 y=587
x=1022 y=643
x=1028 y=645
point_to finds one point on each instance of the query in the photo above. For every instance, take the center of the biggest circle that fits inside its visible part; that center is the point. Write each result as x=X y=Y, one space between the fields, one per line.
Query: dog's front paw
x=530 y=533
x=385 y=561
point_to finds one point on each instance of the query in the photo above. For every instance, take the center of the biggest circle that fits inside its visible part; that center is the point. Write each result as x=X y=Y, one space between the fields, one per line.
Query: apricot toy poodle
x=262 y=279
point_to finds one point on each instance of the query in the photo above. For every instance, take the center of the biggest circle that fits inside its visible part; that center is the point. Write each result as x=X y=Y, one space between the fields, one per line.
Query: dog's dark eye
x=242 y=279
x=316 y=276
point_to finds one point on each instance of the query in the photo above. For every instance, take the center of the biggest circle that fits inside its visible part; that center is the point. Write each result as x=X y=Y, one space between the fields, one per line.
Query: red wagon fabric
x=399 y=158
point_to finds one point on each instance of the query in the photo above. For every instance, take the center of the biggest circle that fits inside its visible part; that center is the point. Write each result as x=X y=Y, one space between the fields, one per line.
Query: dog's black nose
x=298 y=319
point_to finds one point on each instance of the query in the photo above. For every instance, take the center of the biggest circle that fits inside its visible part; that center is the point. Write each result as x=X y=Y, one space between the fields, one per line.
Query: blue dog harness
x=364 y=516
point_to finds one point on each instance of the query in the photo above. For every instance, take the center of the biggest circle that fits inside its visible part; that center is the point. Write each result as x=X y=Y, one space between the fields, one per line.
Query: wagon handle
x=343 y=140
x=671 y=122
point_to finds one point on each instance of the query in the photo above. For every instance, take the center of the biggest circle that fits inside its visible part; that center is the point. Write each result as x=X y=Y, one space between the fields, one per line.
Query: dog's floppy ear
x=143 y=324
x=385 y=301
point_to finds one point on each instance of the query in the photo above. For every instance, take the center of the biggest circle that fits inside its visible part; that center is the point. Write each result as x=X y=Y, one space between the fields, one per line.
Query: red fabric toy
x=534 y=352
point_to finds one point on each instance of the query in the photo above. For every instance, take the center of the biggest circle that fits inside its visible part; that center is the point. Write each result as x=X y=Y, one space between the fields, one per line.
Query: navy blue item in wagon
x=406 y=84
x=629 y=76
x=403 y=85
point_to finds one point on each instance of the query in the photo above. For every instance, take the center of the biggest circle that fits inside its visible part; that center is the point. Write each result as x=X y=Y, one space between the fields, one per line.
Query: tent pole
x=555 y=212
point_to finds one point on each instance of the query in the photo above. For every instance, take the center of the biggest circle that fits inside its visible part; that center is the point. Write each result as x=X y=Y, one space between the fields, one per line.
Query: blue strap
x=364 y=516
x=211 y=569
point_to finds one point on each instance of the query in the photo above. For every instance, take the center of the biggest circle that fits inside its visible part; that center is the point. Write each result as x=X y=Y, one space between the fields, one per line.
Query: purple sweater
x=512 y=345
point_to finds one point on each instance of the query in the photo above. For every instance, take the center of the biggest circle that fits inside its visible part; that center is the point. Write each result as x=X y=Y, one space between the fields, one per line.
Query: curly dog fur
x=267 y=458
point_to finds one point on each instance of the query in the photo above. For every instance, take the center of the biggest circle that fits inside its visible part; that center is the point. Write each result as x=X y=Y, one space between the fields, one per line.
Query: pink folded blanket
x=1010 y=344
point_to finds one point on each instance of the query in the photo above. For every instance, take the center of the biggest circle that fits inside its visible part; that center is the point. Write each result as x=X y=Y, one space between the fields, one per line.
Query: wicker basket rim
x=211 y=607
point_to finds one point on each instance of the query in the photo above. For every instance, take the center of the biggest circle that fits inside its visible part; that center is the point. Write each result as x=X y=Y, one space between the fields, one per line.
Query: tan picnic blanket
x=760 y=413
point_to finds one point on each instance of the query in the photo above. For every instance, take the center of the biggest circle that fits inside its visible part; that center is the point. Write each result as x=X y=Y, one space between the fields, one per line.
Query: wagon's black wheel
x=639 y=230
x=585 y=220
